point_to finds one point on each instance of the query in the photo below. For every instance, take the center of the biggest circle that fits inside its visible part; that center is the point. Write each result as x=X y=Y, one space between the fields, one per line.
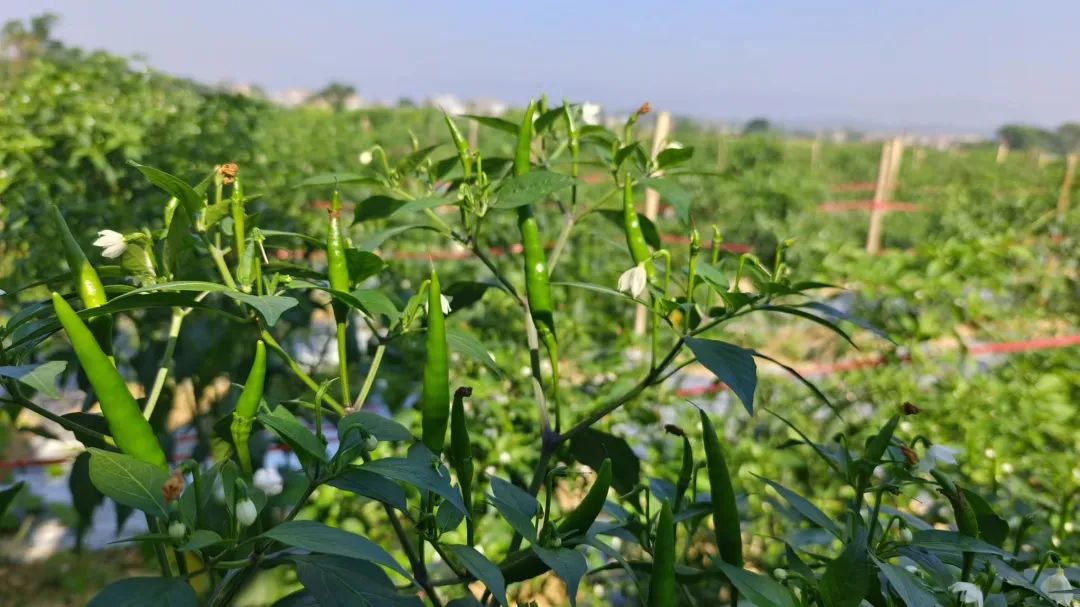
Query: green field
x=970 y=312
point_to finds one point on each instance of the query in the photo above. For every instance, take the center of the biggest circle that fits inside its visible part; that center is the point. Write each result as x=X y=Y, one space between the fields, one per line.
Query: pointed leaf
x=731 y=364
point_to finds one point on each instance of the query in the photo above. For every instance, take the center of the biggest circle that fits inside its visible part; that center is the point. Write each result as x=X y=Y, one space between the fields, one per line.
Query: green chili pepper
x=462 y=146
x=132 y=433
x=236 y=205
x=247 y=406
x=635 y=237
x=537 y=282
x=725 y=512
x=662 y=584
x=87 y=283
x=524 y=564
x=337 y=268
x=435 y=396
x=461 y=456
x=686 y=472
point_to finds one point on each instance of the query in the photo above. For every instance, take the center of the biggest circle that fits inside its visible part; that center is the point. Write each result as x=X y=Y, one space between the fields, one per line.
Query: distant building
x=448 y=103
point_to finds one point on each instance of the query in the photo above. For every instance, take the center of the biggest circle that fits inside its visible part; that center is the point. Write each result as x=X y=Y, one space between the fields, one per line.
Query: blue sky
x=913 y=64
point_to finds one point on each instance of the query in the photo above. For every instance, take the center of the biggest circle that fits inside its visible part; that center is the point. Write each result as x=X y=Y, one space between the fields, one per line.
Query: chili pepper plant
x=444 y=527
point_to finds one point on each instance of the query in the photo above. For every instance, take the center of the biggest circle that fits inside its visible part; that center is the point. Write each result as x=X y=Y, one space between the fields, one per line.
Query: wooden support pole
x=888 y=171
x=474 y=134
x=652 y=202
x=1002 y=152
x=1066 y=185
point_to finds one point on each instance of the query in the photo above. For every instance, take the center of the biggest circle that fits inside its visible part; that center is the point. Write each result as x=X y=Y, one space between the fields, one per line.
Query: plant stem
x=564 y=236
x=177 y=320
x=295 y=368
x=342 y=352
x=163 y=558
x=369 y=380
x=65 y=423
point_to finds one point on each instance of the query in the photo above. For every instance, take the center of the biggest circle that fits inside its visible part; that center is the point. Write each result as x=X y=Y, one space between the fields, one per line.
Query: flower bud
x=177 y=530
x=780 y=574
x=246 y=512
x=906 y=535
x=370 y=442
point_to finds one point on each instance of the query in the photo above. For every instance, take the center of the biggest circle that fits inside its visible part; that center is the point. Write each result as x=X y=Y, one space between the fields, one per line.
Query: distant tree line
x=1065 y=139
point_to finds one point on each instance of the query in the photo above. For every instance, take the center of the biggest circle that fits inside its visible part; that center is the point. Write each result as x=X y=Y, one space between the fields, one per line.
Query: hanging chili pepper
x=461 y=457
x=87 y=283
x=662 y=583
x=725 y=512
x=247 y=406
x=537 y=282
x=132 y=433
x=337 y=268
x=435 y=395
x=635 y=236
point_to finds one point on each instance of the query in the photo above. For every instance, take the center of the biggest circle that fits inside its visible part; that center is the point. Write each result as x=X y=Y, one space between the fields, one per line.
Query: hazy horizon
x=955 y=67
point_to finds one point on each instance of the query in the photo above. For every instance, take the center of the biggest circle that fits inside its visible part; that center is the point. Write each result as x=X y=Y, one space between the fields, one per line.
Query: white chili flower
x=111 y=242
x=968 y=593
x=674 y=145
x=444 y=303
x=633 y=281
x=936 y=454
x=590 y=113
x=246 y=512
x=365 y=157
x=269 y=481
x=1058 y=588
x=177 y=530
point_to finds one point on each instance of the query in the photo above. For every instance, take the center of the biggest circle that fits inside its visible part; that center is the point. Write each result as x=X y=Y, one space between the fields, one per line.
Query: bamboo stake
x=1002 y=152
x=652 y=202
x=1066 y=185
x=888 y=169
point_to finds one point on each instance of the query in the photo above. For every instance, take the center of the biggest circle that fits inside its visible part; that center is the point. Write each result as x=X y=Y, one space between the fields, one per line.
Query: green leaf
x=173 y=186
x=375 y=302
x=373 y=241
x=482 y=569
x=420 y=469
x=530 y=188
x=409 y=163
x=731 y=364
x=373 y=486
x=911 y=591
x=382 y=428
x=794 y=311
x=467 y=345
x=339 y=581
x=429 y=202
x=40 y=377
x=316 y=537
x=806 y=382
x=85 y=497
x=129 y=481
x=992 y=527
x=142 y=591
x=336 y=179
x=671 y=192
x=177 y=244
x=672 y=156
x=499 y=124
x=515 y=505
x=376 y=207
x=465 y=293
x=847 y=578
x=803 y=506
x=199 y=539
x=569 y=564
x=271 y=307
x=285 y=425
x=588 y=286
x=363 y=265
x=761 y=590
x=7 y=496
x=953 y=542
x=592 y=446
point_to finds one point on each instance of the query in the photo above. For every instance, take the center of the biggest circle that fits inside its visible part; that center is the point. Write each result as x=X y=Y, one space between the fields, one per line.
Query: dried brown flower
x=173 y=487
x=909 y=409
x=228 y=172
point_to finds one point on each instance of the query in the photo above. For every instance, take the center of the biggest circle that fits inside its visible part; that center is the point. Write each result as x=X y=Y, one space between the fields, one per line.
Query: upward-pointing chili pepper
x=725 y=512
x=87 y=283
x=537 y=283
x=337 y=269
x=435 y=394
x=662 y=584
x=462 y=146
x=247 y=406
x=525 y=564
x=461 y=457
x=635 y=236
x=132 y=433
